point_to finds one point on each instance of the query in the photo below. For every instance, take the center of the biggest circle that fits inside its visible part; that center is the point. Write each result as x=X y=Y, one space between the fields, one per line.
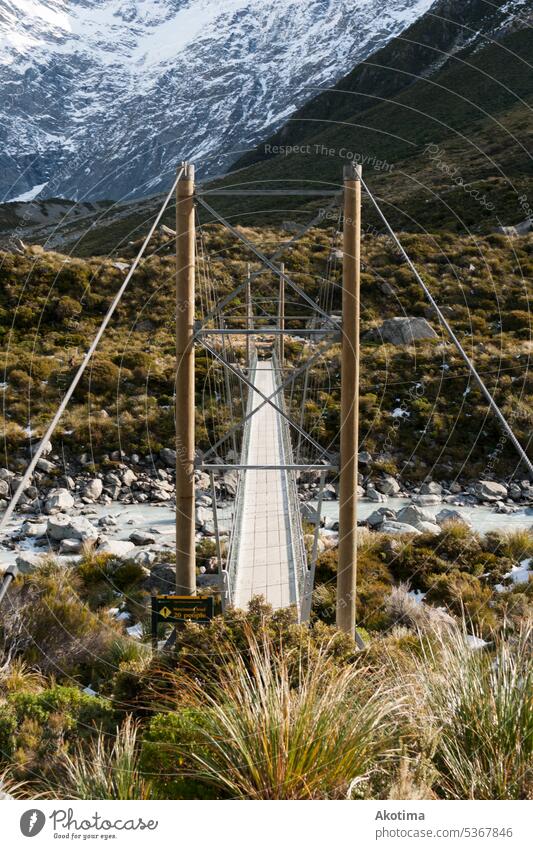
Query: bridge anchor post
x=347 y=568
x=185 y=285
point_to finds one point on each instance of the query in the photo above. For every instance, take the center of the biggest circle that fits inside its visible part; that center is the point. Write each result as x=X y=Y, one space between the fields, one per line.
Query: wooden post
x=185 y=278
x=347 y=568
x=281 y=316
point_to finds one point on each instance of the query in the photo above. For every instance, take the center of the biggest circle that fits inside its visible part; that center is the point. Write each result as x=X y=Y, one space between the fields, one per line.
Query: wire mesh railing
x=295 y=517
x=233 y=549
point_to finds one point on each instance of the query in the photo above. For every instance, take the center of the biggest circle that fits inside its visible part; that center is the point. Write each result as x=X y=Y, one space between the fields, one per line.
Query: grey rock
x=93 y=489
x=59 y=499
x=118 y=547
x=203 y=516
x=4 y=488
x=424 y=500
x=144 y=558
x=46 y=450
x=388 y=485
x=230 y=480
x=60 y=526
x=374 y=495
x=34 y=529
x=203 y=500
x=445 y=516
x=28 y=562
x=142 y=538
x=490 y=491
x=429 y=528
x=431 y=488
x=391 y=527
x=402 y=331
x=382 y=514
x=162 y=579
x=412 y=514
x=45 y=466
x=203 y=481
x=128 y=477
x=70 y=546
x=168 y=456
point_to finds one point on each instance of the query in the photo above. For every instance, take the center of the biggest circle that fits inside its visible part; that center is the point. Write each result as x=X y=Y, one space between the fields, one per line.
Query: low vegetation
x=255 y=705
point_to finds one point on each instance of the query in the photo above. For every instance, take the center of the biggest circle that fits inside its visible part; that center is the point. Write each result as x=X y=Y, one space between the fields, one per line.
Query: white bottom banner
x=266 y=824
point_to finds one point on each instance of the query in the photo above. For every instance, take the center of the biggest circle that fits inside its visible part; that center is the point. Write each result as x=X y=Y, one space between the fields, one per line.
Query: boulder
x=382 y=514
x=118 y=547
x=388 y=485
x=364 y=458
x=391 y=527
x=144 y=558
x=93 y=489
x=45 y=466
x=128 y=477
x=70 y=546
x=424 y=500
x=162 y=579
x=203 y=481
x=203 y=516
x=142 y=538
x=28 y=562
x=168 y=456
x=414 y=515
x=230 y=480
x=34 y=529
x=60 y=526
x=431 y=488
x=490 y=491
x=4 y=489
x=374 y=495
x=402 y=331
x=429 y=528
x=58 y=499
x=446 y=516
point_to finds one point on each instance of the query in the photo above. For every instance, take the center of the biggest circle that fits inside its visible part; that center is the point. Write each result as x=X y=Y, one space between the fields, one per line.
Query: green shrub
x=169 y=746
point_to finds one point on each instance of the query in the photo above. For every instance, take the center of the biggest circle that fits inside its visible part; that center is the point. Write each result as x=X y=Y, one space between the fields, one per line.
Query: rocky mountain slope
x=102 y=99
x=440 y=119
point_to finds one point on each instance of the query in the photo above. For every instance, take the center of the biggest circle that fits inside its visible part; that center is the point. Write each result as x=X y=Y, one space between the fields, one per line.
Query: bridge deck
x=265 y=556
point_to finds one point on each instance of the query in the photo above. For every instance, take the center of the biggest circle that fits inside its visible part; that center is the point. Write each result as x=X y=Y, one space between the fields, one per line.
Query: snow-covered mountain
x=102 y=98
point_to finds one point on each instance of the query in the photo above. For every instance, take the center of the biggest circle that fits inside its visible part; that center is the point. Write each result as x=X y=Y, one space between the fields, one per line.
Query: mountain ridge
x=103 y=99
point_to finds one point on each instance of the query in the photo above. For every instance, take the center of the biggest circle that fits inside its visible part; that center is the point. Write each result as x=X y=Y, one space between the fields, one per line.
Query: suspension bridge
x=256 y=398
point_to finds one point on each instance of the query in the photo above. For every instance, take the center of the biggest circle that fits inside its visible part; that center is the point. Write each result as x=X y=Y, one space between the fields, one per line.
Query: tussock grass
x=106 y=771
x=476 y=708
x=263 y=736
x=517 y=544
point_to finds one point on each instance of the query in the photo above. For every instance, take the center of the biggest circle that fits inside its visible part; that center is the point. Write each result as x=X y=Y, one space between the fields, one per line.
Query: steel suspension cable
x=477 y=377
x=77 y=377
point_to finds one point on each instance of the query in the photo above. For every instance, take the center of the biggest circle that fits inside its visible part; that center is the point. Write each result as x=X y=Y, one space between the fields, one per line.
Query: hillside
x=50 y=306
